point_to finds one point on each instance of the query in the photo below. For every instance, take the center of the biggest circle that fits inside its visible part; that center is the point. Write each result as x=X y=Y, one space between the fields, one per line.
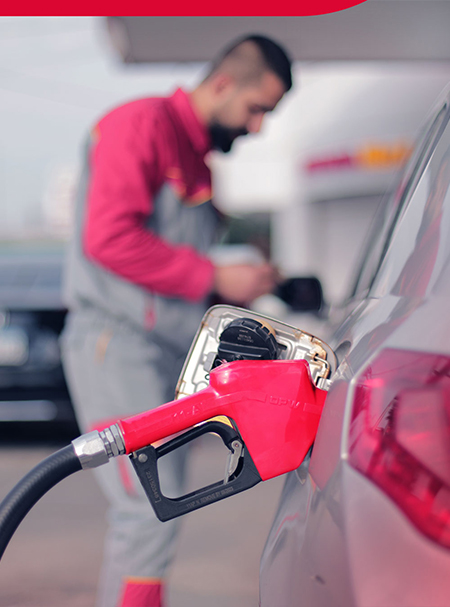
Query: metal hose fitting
x=97 y=448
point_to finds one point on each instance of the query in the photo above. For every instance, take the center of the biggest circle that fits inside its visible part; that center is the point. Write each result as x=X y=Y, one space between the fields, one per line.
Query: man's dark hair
x=273 y=57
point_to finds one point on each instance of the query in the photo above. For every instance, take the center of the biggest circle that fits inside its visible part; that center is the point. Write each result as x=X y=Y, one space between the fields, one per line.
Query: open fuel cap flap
x=229 y=333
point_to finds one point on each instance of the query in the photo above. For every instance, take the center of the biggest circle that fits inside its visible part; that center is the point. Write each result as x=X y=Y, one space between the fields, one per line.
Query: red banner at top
x=195 y=8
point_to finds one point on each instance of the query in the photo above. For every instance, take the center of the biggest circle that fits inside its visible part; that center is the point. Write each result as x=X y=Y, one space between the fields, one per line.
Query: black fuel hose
x=32 y=487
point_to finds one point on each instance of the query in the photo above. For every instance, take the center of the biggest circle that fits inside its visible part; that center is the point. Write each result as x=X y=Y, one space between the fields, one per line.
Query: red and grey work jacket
x=144 y=220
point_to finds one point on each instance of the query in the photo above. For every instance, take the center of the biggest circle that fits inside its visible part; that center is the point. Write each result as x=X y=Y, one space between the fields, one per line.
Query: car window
x=392 y=208
x=419 y=244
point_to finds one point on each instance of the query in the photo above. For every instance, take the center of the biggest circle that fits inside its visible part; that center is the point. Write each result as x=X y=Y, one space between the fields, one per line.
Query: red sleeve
x=126 y=167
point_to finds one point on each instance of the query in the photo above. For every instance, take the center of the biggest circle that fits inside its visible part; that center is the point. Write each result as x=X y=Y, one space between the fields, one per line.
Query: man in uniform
x=139 y=276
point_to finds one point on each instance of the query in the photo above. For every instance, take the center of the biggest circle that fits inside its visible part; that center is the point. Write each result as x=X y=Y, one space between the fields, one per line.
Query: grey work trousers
x=114 y=371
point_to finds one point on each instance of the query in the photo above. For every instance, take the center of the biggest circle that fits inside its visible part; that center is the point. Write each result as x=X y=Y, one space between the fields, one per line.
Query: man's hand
x=242 y=283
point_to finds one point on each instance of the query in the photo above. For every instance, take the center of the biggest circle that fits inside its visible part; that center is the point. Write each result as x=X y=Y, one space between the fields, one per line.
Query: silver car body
x=365 y=521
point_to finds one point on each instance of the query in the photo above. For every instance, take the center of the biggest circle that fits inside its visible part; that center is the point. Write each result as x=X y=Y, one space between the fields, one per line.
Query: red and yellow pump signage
x=369 y=156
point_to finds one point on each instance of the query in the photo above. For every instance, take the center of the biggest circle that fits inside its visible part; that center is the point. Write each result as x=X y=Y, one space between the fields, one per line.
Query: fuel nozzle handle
x=274 y=404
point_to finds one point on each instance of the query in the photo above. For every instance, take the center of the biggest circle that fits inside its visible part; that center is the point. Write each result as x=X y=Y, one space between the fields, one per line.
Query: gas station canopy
x=375 y=30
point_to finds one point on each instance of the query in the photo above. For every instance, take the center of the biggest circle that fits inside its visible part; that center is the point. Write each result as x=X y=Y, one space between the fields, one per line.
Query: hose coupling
x=97 y=448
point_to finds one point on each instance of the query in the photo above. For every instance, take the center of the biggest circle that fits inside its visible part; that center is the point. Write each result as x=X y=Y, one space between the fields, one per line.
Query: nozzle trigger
x=233 y=459
x=241 y=473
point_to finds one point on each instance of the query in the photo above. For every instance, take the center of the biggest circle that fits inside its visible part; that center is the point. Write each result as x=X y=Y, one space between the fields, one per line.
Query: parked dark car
x=32 y=385
x=367 y=522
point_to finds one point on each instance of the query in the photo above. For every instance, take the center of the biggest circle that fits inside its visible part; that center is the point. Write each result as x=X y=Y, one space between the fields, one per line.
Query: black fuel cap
x=246 y=339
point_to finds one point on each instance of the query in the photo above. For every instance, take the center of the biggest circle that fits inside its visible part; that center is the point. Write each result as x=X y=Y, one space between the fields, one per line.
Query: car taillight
x=399 y=435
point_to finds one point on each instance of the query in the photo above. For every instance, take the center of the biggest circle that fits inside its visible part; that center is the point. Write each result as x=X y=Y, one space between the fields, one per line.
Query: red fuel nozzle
x=274 y=405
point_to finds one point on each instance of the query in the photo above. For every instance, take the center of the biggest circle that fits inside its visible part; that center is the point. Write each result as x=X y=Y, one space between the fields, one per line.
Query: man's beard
x=222 y=137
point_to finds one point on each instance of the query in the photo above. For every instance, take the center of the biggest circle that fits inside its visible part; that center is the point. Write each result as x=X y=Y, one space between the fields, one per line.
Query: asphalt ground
x=54 y=558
